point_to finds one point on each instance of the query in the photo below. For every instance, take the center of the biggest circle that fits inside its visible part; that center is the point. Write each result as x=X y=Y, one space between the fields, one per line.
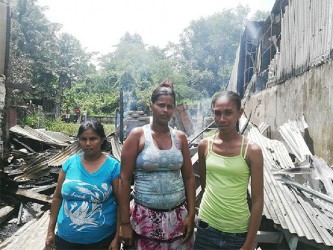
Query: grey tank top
x=158 y=182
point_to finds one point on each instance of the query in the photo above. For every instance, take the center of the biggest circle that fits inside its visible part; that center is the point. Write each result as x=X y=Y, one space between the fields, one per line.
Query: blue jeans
x=211 y=238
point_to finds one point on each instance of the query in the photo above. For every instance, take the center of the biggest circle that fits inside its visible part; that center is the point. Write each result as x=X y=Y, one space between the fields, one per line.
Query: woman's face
x=163 y=108
x=90 y=142
x=226 y=114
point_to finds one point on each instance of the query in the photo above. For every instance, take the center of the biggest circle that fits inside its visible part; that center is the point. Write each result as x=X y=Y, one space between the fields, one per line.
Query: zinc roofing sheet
x=298 y=212
x=38 y=135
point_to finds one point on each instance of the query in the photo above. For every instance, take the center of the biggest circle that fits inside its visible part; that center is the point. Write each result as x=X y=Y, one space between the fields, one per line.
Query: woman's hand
x=188 y=228
x=126 y=234
x=50 y=241
x=114 y=245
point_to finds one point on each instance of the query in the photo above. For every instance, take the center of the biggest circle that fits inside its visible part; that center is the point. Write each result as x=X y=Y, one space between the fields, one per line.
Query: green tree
x=70 y=63
x=51 y=60
x=260 y=15
x=208 y=46
x=31 y=46
x=138 y=68
x=57 y=67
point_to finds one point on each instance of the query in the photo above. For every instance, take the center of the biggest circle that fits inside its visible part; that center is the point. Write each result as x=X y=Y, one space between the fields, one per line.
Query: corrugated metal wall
x=306 y=37
x=300 y=73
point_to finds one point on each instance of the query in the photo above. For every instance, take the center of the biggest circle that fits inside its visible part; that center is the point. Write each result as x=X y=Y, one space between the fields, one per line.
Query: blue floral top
x=88 y=212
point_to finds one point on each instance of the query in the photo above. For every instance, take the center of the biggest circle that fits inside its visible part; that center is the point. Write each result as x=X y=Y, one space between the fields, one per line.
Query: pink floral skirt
x=158 y=229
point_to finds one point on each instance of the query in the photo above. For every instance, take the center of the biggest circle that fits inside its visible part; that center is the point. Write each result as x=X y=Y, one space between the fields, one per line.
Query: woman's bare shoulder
x=204 y=142
x=254 y=147
x=254 y=154
x=134 y=137
x=137 y=131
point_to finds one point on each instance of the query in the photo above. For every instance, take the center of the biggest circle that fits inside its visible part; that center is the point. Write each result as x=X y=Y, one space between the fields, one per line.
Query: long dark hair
x=164 y=88
x=97 y=127
x=233 y=96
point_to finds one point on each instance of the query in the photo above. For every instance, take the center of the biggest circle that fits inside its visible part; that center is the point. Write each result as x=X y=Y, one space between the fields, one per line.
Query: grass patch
x=72 y=128
x=40 y=121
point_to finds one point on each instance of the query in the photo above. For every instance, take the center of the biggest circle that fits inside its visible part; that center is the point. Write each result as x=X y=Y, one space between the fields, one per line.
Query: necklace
x=161 y=139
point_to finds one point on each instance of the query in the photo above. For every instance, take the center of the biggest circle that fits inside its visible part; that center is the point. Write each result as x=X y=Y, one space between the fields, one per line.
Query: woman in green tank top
x=227 y=162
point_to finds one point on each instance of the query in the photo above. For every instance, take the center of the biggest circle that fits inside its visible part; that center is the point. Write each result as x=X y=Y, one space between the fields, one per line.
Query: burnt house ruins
x=283 y=71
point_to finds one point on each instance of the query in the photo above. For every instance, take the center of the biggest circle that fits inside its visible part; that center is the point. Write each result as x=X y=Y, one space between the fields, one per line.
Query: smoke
x=199 y=113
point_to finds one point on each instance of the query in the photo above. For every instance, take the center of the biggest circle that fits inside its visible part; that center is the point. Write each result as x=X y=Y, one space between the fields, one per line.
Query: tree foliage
x=57 y=67
x=51 y=60
x=208 y=46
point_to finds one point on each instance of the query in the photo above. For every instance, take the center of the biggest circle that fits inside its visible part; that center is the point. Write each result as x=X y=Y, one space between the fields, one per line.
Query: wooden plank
x=5 y=213
x=32 y=196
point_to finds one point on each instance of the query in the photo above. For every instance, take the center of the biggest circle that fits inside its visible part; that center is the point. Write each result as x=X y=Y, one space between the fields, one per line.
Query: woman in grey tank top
x=157 y=157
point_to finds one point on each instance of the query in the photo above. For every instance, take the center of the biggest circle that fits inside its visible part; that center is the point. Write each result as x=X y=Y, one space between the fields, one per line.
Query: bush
x=39 y=120
x=66 y=128
x=36 y=120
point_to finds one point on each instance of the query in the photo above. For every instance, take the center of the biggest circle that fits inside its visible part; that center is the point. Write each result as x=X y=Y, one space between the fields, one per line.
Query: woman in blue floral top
x=84 y=203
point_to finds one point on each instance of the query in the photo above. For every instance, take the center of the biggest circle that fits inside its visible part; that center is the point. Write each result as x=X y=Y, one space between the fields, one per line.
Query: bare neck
x=92 y=158
x=158 y=128
x=228 y=137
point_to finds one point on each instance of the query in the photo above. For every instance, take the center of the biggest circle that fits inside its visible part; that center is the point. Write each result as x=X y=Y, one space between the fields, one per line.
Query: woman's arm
x=129 y=153
x=55 y=207
x=257 y=194
x=202 y=148
x=189 y=184
x=115 y=242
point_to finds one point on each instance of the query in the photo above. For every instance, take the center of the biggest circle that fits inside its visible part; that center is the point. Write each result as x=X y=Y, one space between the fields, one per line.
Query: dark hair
x=233 y=96
x=164 y=88
x=97 y=127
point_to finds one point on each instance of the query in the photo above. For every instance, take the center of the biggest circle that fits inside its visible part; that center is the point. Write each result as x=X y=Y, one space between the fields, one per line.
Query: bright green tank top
x=224 y=202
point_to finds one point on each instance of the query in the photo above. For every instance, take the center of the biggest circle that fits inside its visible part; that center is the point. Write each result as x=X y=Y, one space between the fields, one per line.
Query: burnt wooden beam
x=32 y=196
x=24 y=145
